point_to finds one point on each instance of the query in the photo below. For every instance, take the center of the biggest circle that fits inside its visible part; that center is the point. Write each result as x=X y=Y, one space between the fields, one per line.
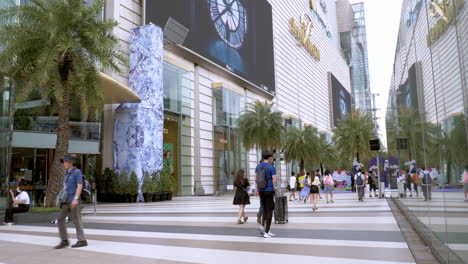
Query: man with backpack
x=359 y=179
x=426 y=184
x=266 y=180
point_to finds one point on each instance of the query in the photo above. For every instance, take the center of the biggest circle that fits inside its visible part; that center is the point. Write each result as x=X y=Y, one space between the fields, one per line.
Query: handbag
x=62 y=197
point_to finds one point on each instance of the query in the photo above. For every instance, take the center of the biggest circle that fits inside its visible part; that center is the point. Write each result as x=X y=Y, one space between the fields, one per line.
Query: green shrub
x=111 y=184
x=157 y=180
x=167 y=182
x=123 y=183
x=133 y=184
x=148 y=184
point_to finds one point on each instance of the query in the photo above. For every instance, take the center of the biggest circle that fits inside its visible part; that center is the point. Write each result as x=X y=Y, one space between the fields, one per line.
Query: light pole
x=376 y=133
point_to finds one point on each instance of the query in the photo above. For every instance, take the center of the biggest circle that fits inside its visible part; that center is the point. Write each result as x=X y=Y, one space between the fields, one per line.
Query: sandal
x=245 y=219
x=239 y=222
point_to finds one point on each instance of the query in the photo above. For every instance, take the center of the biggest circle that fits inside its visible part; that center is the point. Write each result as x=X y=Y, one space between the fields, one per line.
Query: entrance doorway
x=171 y=147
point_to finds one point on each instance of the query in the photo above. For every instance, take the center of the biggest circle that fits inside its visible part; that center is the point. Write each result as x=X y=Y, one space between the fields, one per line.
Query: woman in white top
x=292 y=186
x=22 y=200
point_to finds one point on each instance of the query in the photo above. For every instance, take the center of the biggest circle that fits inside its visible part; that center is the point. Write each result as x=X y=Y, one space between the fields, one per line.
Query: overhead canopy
x=116 y=93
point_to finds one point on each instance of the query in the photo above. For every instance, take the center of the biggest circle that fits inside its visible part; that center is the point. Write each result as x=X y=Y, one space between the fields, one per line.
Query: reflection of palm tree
x=455 y=147
x=421 y=135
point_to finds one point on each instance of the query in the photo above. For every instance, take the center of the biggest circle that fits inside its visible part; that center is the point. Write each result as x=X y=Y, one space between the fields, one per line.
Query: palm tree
x=352 y=136
x=302 y=145
x=53 y=46
x=327 y=155
x=260 y=127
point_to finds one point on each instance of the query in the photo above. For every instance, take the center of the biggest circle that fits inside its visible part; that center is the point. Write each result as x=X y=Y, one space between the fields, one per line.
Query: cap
x=67 y=157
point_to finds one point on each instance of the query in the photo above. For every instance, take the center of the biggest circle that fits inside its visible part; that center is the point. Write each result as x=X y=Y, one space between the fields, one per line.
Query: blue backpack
x=359 y=180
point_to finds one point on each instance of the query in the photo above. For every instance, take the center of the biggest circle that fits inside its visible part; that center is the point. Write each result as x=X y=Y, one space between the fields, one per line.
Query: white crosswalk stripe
x=204 y=231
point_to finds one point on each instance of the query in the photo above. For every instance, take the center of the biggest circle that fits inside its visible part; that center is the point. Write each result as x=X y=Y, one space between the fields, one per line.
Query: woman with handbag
x=329 y=184
x=241 y=197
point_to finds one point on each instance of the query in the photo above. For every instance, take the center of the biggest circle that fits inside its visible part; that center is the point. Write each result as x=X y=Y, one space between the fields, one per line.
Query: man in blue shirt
x=267 y=194
x=73 y=184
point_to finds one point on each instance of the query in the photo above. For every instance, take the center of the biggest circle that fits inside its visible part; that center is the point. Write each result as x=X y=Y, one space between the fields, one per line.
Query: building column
x=198 y=189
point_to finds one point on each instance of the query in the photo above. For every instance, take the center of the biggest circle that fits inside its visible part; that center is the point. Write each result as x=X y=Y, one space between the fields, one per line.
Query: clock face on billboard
x=230 y=21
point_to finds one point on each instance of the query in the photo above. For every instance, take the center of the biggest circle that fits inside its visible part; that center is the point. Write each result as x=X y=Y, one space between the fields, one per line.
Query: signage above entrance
x=303 y=33
x=446 y=12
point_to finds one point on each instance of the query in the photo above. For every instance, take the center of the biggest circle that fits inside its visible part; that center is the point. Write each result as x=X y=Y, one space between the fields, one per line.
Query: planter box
x=156 y=197
x=148 y=197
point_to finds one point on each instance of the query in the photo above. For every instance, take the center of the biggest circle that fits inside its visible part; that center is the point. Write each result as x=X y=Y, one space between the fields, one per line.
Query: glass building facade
x=177 y=148
x=229 y=153
x=427 y=123
x=354 y=48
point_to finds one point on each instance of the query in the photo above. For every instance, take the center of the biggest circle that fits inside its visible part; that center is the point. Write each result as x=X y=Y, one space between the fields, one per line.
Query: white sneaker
x=262 y=229
x=271 y=234
x=267 y=235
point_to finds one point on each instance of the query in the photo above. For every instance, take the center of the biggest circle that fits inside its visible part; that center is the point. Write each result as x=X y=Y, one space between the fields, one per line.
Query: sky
x=382 y=23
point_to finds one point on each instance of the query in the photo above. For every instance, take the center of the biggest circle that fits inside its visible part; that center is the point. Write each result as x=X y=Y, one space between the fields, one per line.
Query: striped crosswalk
x=203 y=230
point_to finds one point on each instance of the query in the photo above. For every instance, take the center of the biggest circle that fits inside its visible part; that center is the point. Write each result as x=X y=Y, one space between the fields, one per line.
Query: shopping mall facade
x=209 y=68
x=427 y=108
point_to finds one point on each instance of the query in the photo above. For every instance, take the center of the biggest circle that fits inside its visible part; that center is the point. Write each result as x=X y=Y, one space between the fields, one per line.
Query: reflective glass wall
x=177 y=146
x=427 y=122
x=230 y=155
x=5 y=138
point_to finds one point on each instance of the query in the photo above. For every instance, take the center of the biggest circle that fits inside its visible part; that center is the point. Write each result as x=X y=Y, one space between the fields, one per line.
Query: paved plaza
x=203 y=230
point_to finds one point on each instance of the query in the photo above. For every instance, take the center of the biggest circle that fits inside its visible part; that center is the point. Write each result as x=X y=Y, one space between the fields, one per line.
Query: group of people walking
x=309 y=187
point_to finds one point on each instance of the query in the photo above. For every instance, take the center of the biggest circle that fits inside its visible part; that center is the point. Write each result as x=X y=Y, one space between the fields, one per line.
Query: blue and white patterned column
x=138 y=135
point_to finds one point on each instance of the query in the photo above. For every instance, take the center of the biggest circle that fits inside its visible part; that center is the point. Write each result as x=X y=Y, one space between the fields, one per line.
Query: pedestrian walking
x=314 y=191
x=415 y=179
x=329 y=186
x=300 y=184
x=366 y=181
x=69 y=199
x=260 y=209
x=359 y=179
x=241 y=197
x=465 y=182
x=267 y=194
x=426 y=184
x=321 y=186
x=408 y=182
x=305 y=192
x=372 y=180
x=21 y=201
x=292 y=186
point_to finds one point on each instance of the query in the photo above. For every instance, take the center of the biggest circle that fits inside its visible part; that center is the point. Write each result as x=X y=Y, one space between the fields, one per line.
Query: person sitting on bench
x=22 y=200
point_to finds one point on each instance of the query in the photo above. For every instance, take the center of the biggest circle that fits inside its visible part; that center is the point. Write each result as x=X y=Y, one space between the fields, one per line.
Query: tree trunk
x=301 y=167
x=321 y=168
x=55 y=182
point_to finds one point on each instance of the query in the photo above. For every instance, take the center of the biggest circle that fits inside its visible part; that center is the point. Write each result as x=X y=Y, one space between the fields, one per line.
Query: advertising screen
x=408 y=92
x=341 y=101
x=235 y=34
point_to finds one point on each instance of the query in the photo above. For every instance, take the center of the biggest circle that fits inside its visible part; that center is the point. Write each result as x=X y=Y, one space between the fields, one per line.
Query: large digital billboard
x=408 y=92
x=235 y=34
x=341 y=100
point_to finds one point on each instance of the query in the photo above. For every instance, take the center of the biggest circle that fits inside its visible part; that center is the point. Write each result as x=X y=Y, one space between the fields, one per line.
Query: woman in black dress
x=241 y=197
